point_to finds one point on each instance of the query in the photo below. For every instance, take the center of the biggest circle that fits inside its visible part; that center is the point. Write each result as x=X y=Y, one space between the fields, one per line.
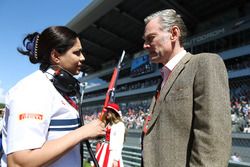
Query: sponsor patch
x=30 y=116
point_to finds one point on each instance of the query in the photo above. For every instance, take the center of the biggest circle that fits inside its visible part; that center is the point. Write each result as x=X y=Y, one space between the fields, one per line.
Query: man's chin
x=154 y=57
x=154 y=60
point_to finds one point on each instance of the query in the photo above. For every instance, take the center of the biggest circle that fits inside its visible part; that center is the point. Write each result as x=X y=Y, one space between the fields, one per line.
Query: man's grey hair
x=169 y=18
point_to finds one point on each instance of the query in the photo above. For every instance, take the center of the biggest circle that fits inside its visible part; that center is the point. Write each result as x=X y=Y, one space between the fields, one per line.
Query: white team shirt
x=37 y=112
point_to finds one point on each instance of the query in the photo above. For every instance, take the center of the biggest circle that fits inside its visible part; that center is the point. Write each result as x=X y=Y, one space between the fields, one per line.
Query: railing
x=238 y=164
x=132 y=154
x=132 y=157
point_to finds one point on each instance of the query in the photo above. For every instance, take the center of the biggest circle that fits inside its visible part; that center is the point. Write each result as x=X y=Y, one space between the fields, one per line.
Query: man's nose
x=146 y=45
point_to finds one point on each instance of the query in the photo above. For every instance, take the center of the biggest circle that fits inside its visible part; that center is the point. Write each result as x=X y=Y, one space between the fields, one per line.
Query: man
x=190 y=122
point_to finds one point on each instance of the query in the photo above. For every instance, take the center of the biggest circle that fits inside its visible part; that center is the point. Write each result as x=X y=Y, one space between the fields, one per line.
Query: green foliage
x=2 y=105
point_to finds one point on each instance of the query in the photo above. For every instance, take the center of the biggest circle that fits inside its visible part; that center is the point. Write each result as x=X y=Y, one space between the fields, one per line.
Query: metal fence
x=131 y=155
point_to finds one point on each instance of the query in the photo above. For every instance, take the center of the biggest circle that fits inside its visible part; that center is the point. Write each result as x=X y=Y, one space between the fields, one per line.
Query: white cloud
x=2 y=95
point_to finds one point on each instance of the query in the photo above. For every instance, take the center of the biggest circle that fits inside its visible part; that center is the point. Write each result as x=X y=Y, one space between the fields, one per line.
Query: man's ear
x=175 y=33
x=55 y=57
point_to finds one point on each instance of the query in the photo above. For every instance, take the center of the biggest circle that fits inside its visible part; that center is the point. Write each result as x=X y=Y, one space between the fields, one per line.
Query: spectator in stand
x=190 y=114
x=110 y=152
x=236 y=157
x=41 y=122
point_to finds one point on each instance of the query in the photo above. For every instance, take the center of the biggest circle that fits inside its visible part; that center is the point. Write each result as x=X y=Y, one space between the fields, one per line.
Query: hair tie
x=32 y=46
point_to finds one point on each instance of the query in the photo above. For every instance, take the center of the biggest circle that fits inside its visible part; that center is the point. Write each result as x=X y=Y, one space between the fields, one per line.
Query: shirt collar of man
x=167 y=68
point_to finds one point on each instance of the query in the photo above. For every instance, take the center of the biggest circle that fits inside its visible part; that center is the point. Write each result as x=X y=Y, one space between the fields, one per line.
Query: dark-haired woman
x=41 y=123
x=110 y=152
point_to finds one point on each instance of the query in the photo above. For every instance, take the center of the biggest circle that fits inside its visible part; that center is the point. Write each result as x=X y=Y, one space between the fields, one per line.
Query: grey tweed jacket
x=191 y=124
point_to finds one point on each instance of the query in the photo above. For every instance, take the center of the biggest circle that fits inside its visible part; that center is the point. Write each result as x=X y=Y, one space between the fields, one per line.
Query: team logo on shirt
x=30 y=116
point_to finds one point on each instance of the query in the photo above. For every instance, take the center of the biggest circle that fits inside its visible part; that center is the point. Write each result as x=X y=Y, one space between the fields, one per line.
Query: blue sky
x=19 y=18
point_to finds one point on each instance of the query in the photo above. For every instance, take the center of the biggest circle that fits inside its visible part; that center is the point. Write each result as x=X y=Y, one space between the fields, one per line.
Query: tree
x=2 y=105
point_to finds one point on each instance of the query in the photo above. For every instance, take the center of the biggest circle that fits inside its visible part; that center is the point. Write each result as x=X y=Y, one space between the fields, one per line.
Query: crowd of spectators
x=240 y=114
x=134 y=114
x=134 y=119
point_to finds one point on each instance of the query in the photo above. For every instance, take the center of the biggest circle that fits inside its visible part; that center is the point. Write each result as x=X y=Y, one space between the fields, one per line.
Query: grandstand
x=107 y=27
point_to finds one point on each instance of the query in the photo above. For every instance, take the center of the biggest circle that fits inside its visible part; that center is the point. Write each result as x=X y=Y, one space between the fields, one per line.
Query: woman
x=41 y=124
x=110 y=152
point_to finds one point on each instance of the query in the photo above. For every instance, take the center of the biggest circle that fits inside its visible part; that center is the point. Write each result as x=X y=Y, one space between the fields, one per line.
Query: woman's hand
x=95 y=128
x=115 y=163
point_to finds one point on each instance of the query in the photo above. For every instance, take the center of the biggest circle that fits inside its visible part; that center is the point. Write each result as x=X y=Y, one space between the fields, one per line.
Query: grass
x=86 y=164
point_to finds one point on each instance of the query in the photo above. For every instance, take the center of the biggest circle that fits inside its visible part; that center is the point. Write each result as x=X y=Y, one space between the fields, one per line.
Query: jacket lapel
x=174 y=74
x=165 y=89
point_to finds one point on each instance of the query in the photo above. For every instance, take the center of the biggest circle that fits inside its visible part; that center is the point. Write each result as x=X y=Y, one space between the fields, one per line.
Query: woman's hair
x=169 y=18
x=39 y=46
x=115 y=117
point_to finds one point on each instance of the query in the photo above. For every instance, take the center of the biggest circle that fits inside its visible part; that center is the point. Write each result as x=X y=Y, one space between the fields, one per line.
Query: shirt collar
x=167 y=68
x=175 y=60
x=50 y=73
